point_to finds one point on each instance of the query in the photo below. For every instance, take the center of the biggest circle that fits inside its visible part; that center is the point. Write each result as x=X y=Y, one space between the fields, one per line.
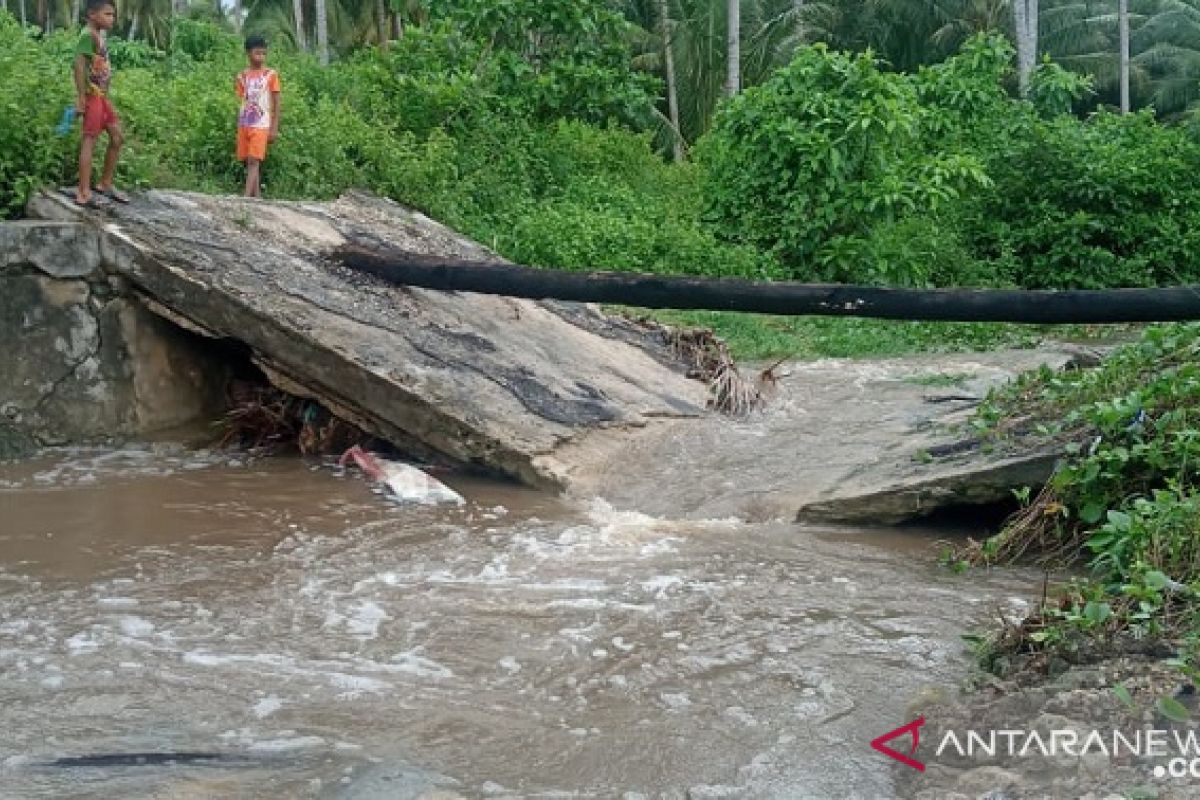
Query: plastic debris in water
x=407 y=483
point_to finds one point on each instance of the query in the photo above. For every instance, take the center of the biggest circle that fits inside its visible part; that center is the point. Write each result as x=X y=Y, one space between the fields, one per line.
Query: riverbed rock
x=398 y=782
x=925 y=488
x=993 y=782
x=15 y=442
x=838 y=435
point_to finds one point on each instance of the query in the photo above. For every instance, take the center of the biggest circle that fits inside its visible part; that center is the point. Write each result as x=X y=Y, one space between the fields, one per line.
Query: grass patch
x=939 y=379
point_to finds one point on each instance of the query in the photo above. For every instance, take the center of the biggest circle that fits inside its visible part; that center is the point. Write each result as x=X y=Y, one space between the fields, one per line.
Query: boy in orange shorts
x=92 y=75
x=258 y=122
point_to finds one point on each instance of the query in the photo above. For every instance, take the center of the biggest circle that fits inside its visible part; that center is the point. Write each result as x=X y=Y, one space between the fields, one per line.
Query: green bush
x=1126 y=499
x=806 y=165
x=34 y=90
x=555 y=58
x=427 y=124
x=1110 y=201
x=846 y=172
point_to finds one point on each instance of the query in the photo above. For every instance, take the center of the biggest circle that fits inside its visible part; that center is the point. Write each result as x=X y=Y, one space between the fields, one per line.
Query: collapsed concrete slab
x=488 y=381
x=556 y=395
x=58 y=249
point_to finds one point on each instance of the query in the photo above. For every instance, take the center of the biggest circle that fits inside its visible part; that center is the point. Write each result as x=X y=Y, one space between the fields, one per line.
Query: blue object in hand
x=64 y=124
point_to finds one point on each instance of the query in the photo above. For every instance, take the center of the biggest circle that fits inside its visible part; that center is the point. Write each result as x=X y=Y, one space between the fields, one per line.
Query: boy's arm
x=81 y=82
x=274 y=115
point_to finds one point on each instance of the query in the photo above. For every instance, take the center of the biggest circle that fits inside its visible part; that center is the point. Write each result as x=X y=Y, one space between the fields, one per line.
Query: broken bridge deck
x=482 y=380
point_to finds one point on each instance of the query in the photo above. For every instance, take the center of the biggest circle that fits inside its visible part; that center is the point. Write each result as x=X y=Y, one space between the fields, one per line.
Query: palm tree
x=1167 y=48
x=322 y=33
x=672 y=86
x=383 y=24
x=1025 y=21
x=148 y=19
x=1123 y=37
x=733 y=50
x=298 y=17
x=1162 y=68
x=960 y=21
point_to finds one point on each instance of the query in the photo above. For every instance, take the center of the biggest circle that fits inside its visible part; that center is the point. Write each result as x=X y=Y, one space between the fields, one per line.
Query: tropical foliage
x=846 y=172
x=1126 y=502
x=1081 y=35
x=536 y=138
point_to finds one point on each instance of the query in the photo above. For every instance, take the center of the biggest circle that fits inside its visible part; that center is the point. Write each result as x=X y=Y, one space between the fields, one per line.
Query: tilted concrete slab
x=489 y=381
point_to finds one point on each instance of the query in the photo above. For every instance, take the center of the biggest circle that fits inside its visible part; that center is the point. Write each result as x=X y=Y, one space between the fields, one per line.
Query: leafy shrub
x=849 y=173
x=807 y=164
x=424 y=124
x=1054 y=91
x=125 y=54
x=555 y=58
x=202 y=41
x=33 y=92
x=1106 y=202
x=1127 y=497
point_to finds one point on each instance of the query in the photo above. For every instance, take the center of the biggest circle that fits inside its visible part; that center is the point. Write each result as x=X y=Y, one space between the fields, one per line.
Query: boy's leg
x=87 y=146
x=252 y=176
x=116 y=138
x=95 y=120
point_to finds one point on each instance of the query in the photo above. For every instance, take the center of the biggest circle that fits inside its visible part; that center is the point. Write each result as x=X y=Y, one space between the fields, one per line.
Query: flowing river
x=192 y=624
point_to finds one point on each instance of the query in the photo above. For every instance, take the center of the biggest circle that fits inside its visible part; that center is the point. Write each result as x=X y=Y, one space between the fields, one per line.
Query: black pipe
x=782 y=298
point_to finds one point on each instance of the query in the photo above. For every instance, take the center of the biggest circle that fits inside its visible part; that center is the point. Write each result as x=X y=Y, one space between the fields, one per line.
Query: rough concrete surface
x=85 y=361
x=62 y=250
x=482 y=380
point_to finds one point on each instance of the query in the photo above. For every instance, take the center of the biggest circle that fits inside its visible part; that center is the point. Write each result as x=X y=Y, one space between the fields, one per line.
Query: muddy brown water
x=318 y=641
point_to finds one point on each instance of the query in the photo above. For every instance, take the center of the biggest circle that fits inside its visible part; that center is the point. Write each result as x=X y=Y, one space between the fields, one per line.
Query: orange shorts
x=252 y=143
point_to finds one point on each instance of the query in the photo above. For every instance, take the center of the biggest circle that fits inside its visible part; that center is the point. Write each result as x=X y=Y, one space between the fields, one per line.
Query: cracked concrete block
x=176 y=378
x=59 y=249
x=87 y=365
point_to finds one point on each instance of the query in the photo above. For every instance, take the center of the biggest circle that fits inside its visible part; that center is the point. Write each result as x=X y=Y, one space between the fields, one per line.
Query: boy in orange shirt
x=258 y=122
